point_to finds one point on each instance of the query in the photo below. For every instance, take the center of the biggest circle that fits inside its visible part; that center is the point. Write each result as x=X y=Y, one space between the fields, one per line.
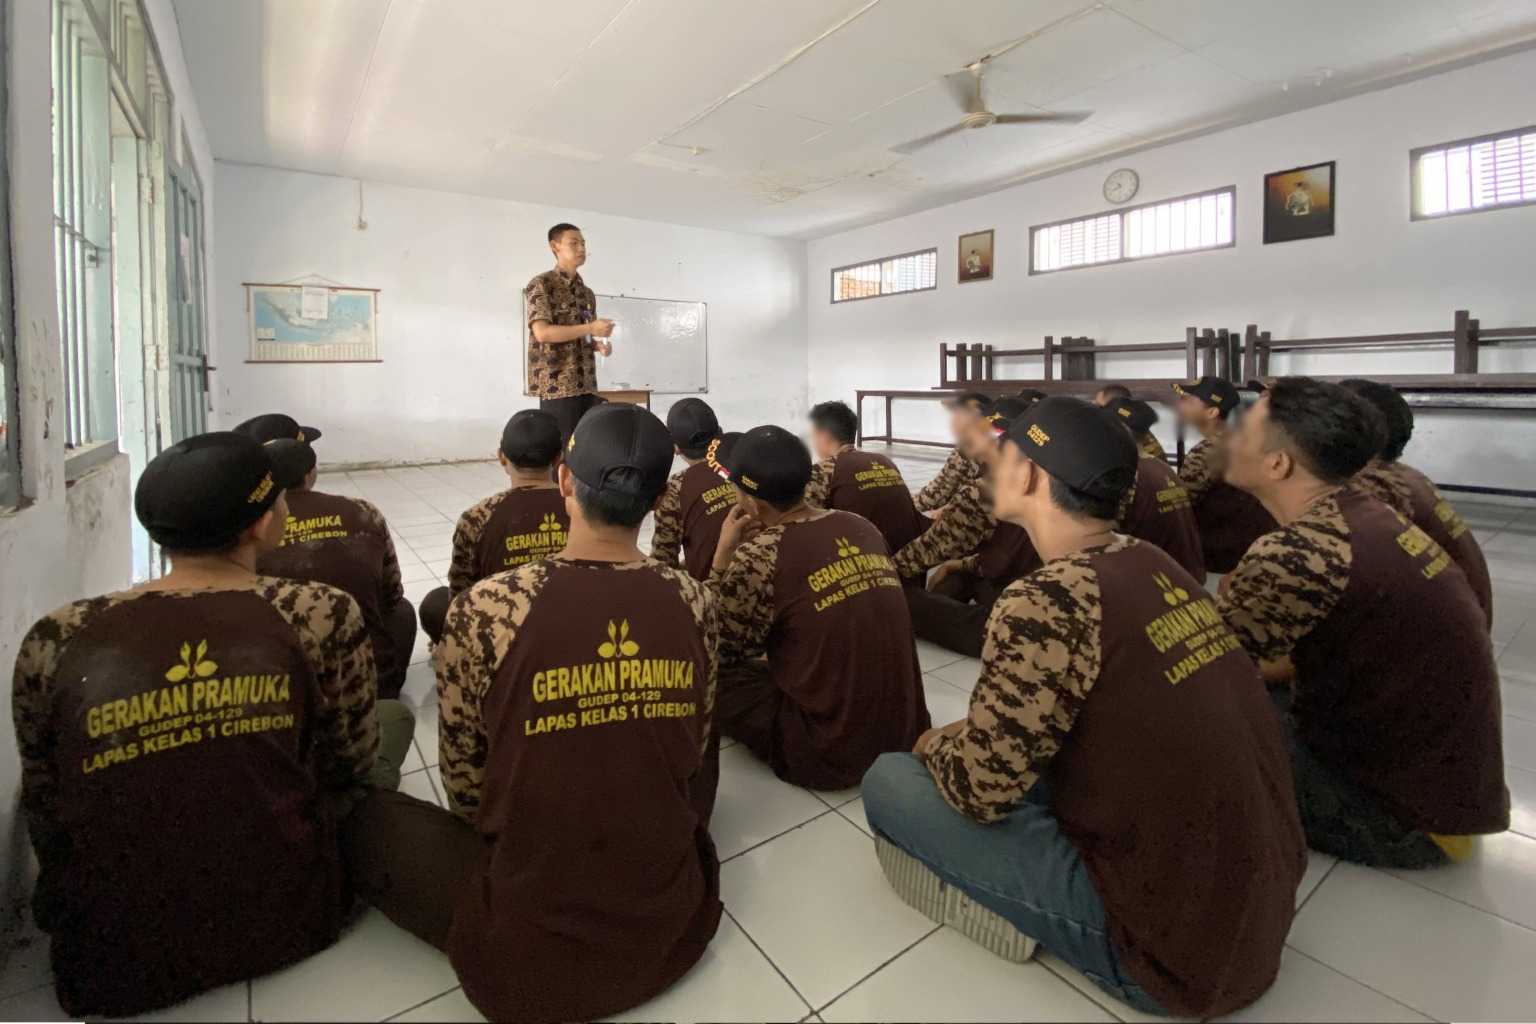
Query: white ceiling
x=774 y=116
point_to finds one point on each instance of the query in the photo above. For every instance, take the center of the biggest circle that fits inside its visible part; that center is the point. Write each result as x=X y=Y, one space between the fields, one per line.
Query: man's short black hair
x=560 y=229
x=1115 y=391
x=610 y=508
x=836 y=419
x=1334 y=431
x=1395 y=413
x=1081 y=504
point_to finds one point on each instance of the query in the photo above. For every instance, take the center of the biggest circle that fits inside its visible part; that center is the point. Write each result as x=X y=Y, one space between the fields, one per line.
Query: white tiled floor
x=812 y=928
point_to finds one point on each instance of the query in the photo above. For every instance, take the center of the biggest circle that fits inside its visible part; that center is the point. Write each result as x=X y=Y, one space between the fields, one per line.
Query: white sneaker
x=916 y=883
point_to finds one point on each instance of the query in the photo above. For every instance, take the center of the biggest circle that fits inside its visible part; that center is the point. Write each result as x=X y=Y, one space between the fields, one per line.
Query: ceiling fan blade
x=965 y=88
x=1065 y=117
x=927 y=140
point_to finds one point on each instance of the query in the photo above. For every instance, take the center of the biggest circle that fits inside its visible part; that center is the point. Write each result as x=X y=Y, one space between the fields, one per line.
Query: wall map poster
x=299 y=323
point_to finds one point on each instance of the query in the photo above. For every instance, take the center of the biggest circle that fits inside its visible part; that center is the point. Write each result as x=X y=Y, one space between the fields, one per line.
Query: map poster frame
x=266 y=345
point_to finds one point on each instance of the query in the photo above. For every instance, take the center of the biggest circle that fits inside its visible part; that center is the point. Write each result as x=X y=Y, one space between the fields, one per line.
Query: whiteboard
x=658 y=345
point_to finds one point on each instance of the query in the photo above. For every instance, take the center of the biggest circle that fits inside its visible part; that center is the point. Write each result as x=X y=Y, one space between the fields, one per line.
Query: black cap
x=769 y=463
x=199 y=494
x=692 y=424
x=1134 y=413
x=1004 y=411
x=1079 y=444
x=719 y=451
x=273 y=425
x=1031 y=395
x=976 y=401
x=619 y=448
x=1213 y=391
x=531 y=439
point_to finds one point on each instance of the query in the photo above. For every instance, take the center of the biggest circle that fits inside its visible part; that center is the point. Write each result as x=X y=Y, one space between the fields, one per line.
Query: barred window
x=893 y=275
x=1474 y=174
x=1187 y=224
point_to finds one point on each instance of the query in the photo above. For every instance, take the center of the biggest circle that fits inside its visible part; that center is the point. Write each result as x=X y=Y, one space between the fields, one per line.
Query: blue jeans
x=1021 y=868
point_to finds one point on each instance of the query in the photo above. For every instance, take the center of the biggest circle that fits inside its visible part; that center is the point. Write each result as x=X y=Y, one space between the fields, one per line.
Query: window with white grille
x=1187 y=224
x=909 y=272
x=1475 y=174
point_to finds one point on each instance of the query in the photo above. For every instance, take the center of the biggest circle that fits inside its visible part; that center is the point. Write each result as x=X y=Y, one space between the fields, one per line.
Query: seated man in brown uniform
x=1157 y=508
x=863 y=483
x=815 y=591
x=694 y=504
x=577 y=879
x=1119 y=791
x=1414 y=494
x=190 y=746
x=1230 y=520
x=1394 y=701
x=345 y=542
x=1140 y=418
x=958 y=470
x=522 y=524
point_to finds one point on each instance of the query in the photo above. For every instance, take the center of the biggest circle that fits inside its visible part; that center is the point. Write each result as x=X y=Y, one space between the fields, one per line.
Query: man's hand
x=739 y=526
x=944 y=570
x=601 y=328
x=602 y=348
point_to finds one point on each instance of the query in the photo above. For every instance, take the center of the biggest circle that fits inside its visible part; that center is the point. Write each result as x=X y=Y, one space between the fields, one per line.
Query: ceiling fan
x=965 y=86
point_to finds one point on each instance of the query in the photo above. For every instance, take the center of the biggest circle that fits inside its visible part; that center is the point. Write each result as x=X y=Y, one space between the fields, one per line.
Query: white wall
x=65 y=541
x=1380 y=272
x=451 y=269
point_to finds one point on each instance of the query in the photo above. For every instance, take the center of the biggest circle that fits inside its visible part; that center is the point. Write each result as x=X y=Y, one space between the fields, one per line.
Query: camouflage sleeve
x=391 y=590
x=1380 y=483
x=958 y=532
x=482 y=625
x=705 y=605
x=820 y=487
x=745 y=590
x=1041 y=656
x=940 y=491
x=667 y=541
x=32 y=714
x=1200 y=469
x=536 y=300
x=1151 y=447
x=330 y=627
x=1288 y=582
x=466 y=536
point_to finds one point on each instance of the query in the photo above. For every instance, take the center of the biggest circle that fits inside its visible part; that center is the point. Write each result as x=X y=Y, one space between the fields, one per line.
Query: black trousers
x=568 y=411
x=434 y=612
x=400 y=627
x=954 y=614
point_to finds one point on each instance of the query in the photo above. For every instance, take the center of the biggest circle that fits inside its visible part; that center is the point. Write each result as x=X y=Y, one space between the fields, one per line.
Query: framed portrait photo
x=976 y=256
x=1299 y=203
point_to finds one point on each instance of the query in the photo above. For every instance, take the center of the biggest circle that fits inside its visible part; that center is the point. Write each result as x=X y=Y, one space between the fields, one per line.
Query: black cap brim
x=311 y=434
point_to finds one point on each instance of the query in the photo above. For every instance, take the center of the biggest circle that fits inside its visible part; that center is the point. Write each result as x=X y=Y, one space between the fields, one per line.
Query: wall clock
x=1121 y=185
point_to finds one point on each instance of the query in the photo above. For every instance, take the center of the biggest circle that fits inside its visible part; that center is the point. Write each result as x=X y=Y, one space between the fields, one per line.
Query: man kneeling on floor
x=522 y=524
x=1119 y=791
x=816 y=592
x=190 y=746
x=575 y=696
x=1376 y=634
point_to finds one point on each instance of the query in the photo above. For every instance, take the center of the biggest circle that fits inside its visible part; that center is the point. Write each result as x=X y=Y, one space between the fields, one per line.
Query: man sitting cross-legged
x=1119 y=791
x=691 y=509
x=522 y=524
x=1394 y=700
x=1414 y=494
x=578 y=879
x=863 y=483
x=958 y=470
x=345 y=542
x=819 y=671
x=190 y=747
x=1229 y=520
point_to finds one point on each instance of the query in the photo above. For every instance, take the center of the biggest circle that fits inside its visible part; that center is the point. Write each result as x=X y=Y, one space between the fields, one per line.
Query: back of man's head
x=618 y=458
x=836 y=420
x=531 y=440
x=1396 y=415
x=1331 y=431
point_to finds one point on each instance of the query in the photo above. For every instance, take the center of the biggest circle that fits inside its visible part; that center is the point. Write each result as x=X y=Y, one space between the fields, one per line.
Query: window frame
x=832 y=276
x=1413 y=174
x=10 y=412
x=1121 y=211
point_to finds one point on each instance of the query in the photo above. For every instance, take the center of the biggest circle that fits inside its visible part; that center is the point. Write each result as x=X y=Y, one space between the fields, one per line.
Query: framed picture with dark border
x=975 y=256
x=1299 y=203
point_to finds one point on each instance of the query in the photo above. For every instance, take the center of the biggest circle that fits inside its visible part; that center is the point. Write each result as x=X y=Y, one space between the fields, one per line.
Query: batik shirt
x=568 y=368
x=959 y=531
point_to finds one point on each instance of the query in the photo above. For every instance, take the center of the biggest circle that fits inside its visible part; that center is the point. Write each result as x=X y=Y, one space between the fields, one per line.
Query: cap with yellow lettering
x=273 y=425
x=1134 y=413
x=769 y=463
x=1079 y=444
x=201 y=493
x=1216 y=392
x=621 y=449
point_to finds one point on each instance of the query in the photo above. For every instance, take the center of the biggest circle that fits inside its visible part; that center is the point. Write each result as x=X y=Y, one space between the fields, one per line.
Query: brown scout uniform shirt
x=956 y=472
x=185 y=758
x=1157 y=510
x=821 y=598
x=1151 y=447
x=576 y=699
x=1395 y=684
x=344 y=542
x=1109 y=675
x=1230 y=519
x=569 y=368
x=689 y=515
x=869 y=485
x=506 y=530
x=1416 y=497
x=961 y=529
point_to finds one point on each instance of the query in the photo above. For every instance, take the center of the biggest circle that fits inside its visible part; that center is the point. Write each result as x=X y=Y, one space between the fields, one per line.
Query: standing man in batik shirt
x=564 y=333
